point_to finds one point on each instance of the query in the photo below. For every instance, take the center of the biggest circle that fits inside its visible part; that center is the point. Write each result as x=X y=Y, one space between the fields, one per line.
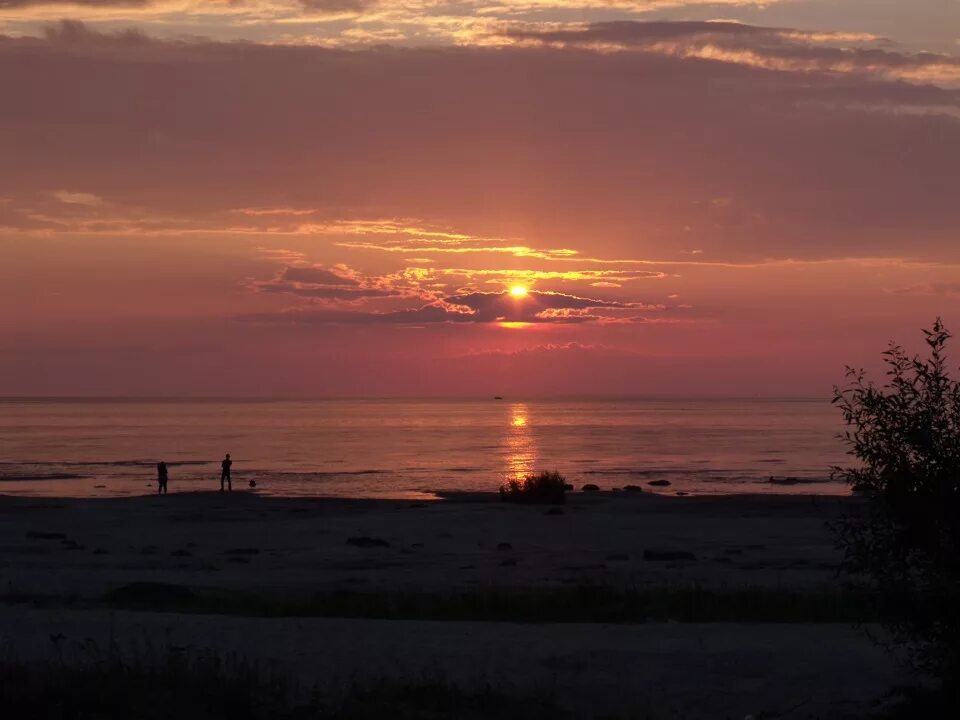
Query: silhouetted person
x=225 y=472
x=161 y=477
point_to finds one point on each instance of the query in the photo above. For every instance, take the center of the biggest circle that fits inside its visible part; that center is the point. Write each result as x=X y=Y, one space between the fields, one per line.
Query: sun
x=518 y=291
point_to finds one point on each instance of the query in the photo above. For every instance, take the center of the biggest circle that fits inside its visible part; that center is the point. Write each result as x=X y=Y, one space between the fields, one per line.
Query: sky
x=535 y=197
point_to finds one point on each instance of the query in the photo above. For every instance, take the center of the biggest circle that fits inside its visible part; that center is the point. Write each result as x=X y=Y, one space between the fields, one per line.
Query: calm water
x=405 y=447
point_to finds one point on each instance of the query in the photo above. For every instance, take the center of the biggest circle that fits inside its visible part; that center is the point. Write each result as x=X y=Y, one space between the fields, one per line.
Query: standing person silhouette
x=161 y=477
x=225 y=472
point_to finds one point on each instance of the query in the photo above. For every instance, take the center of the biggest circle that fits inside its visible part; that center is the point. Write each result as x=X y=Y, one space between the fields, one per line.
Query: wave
x=103 y=463
x=791 y=480
x=261 y=472
x=644 y=473
x=40 y=476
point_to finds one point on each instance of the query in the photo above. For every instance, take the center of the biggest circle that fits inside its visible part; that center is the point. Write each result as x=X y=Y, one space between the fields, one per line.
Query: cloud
x=338 y=6
x=318 y=275
x=602 y=277
x=269 y=211
x=9 y=4
x=527 y=158
x=78 y=198
x=338 y=283
x=547 y=349
x=779 y=49
x=944 y=289
x=475 y=307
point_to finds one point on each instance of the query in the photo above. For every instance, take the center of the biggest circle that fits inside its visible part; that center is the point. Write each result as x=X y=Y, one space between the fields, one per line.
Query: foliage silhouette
x=547 y=488
x=906 y=544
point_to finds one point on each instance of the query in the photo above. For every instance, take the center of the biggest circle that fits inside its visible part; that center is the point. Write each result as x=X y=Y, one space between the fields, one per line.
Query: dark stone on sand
x=37 y=535
x=681 y=492
x=182 y=553
x=364 y=541
x=99 y=487
x=667 y=555
x=554 y=511
x=242 y=551
x=659 y=483
x=150 y=593
x=590 y=487
x=504 y=547
x=787 y=480
x=632 y=488
x=253 y=483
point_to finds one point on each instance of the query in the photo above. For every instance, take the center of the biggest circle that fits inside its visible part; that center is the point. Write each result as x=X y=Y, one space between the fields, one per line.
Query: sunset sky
x=335 y=197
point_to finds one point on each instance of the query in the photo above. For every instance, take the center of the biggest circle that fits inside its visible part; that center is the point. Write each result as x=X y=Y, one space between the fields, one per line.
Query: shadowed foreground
x=465 y=603
x=664 y=670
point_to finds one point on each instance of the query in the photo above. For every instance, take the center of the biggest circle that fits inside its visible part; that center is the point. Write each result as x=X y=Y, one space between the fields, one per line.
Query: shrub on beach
x=906 y=436
x=547 y=488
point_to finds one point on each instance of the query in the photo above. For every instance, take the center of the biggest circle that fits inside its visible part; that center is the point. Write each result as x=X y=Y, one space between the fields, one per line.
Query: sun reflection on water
x=519 y=445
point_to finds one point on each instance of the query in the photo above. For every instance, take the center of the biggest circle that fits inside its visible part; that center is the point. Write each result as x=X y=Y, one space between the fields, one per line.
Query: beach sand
x=60 y=558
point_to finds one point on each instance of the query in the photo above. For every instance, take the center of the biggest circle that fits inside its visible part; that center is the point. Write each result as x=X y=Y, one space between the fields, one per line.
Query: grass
x=540 y=605
x=150 y=683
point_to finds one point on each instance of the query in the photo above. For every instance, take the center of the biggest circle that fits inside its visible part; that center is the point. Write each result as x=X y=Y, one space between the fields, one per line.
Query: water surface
x=399 y=448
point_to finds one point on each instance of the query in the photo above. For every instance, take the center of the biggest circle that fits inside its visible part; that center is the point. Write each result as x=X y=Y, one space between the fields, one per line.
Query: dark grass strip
x=546 y=605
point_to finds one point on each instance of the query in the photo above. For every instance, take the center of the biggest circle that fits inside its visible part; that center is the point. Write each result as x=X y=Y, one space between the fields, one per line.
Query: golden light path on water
x=519 y=444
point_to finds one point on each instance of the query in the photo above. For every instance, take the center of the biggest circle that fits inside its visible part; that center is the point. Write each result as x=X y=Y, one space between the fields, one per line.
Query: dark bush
x=547 y=488
x=906 y=544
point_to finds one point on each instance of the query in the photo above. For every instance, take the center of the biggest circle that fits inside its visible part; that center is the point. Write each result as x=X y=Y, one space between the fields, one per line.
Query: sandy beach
x=96 y=568
x=242 y=541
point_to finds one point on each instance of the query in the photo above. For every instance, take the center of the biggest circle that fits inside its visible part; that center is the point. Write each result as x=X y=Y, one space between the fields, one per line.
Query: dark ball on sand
x=253 y=483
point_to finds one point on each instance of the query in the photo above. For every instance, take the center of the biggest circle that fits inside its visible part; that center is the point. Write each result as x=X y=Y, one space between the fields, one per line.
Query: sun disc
x=518 y=291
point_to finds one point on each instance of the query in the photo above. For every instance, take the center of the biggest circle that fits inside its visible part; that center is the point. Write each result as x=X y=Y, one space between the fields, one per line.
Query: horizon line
x=355 y=398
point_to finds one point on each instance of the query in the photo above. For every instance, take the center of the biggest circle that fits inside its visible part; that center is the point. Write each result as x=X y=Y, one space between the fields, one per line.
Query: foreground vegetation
x=149 y=684
x=682 y=603
x=906 y=548
x=545 y=488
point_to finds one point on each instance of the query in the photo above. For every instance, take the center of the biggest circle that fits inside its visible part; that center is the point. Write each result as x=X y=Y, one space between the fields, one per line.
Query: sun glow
x=518 y=291
x=519 y=446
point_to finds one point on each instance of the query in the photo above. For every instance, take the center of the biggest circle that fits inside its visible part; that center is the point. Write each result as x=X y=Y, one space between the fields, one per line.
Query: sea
x=418 y=448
